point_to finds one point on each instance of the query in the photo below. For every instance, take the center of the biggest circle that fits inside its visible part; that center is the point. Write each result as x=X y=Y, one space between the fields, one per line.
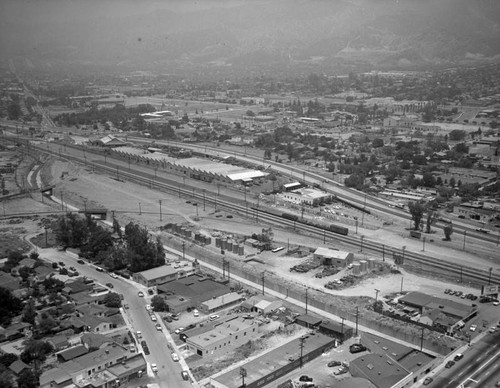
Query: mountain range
x=378 y=34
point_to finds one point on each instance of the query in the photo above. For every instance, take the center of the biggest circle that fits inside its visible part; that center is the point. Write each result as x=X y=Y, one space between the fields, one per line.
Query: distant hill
x=249 y=34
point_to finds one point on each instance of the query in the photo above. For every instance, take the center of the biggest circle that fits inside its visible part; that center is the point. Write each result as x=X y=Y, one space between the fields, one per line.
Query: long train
x=293 y=217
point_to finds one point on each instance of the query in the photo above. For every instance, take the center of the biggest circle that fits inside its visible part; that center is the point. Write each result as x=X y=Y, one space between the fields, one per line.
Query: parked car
x=153 y=318
x=99 y=269
x=179 y=330
x=109 y=285
x=449 y=364
x=342 y=370
x=140 y=293
x=175 y=357
x=334 y=363
x=473 y=328
x=357 y=348
x=80 y=261
x=428 y=380
x=61 y=264
x=148 y=307
x=305 y=378
x=492 y=329
x=154 y=368
x=158 y=327
x=213 y=317
x=458 y=357
x=185 y=375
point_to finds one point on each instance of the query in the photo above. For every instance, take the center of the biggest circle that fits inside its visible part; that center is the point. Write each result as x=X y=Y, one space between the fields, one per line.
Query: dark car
x=334 y=363
x=305 y=378
x=80 y=261
x=146 y=350
x=109 y=285
x=357 y=348
x=72 y=268
x=185 y=375
x=428 y=380
x=449 y=364
x=61 y=264
x=54 y=265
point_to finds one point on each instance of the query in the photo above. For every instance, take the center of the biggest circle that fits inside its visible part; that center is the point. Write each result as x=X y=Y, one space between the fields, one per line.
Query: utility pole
x=262 y=278
x=183 y=249
x=140 y=210
x=423 y=244
x=342 y=329
x=357 y=316
x=362 y=238
x=465 y=234
x=243 y=374
x=306 y=299
x=402 y=279
x=160 y=208
x=422 y=339
x=203 y=199
x=301 y=344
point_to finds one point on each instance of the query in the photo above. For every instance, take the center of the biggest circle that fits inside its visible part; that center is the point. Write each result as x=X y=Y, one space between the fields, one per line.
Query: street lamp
x=243 y=374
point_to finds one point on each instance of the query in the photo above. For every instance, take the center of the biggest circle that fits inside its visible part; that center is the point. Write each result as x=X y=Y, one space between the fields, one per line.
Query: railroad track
x=245 y=209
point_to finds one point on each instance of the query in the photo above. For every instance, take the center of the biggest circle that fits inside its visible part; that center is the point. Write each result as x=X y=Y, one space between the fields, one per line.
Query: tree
x=27 y=379
x=112 y=300
x=158 y=303
x=417 y=210
x=29 y=312
x=37 y=351
x=448 y=230
x=6 y=380
x=431 y=219
x=46 y=324
x=377 y=143
x=9 y=307
x=143 y=253
x=14 y=111
x=7 y=359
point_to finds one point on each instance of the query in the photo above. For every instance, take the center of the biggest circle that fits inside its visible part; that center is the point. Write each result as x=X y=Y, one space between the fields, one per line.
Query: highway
x=169 y=374
x=480 y=367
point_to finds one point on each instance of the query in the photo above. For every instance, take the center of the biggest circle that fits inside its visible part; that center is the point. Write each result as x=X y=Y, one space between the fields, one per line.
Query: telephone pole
x=301 y=344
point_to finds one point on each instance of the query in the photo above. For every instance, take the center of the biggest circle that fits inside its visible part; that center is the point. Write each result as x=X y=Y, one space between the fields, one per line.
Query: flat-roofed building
x=306 y=196
x=155 y=276
x=224 y=337
x=220 y=302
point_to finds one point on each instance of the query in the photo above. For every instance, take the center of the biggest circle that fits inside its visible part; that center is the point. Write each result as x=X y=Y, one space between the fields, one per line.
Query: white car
x=473 y=328
x=196 y=313
x=158 y=327
x=148 y=307
x=175 y=357
x=179 y=330
x=153 y=318
x=113 y=275
x=154 y=368
x=213 y=317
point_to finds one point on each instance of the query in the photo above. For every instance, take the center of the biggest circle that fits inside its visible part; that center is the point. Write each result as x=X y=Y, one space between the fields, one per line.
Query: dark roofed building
x=197 y=288
x=308 y=321
x=335 y=329
x=76 y=286
x=71 y=353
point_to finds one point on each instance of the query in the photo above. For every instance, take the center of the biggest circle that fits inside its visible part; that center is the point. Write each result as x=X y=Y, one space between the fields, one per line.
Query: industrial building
x=329 y=256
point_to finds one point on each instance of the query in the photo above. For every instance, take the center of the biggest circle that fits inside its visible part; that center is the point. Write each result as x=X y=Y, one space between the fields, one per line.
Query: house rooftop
x=380 y=369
